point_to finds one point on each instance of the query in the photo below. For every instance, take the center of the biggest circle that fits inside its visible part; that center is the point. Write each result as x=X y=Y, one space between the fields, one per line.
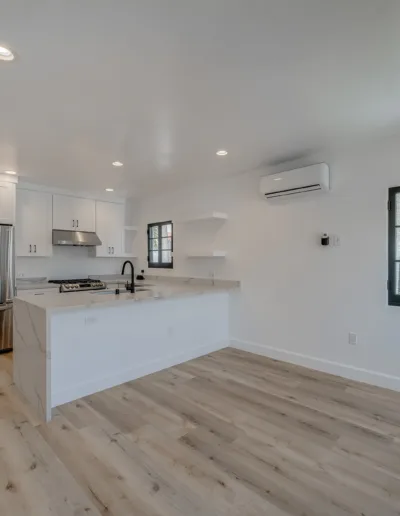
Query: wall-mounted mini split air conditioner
x=307 y=179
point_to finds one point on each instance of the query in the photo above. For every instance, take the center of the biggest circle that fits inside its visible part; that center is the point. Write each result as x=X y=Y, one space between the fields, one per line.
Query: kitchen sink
x=103 y=292
x=123 y=283
x=121 y=291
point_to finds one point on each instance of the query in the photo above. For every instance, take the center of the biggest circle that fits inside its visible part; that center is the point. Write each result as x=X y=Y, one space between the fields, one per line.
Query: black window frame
x=393 y=298
x=160 y=264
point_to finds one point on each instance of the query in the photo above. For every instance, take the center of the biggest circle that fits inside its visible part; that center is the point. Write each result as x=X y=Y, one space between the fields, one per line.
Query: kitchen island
x=70 y=345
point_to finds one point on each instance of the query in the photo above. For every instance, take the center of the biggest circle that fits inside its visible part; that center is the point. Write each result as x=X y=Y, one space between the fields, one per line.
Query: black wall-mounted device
x=325 y=239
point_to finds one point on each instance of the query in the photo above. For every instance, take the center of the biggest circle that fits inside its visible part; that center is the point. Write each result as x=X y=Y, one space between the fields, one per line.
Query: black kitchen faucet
x=130 y=287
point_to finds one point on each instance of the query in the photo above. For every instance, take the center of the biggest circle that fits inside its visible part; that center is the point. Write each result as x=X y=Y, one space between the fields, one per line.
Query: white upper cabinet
x=73 y=213
x=33 y=231
x=110 y=219
x=7 y=203
x=85 y=212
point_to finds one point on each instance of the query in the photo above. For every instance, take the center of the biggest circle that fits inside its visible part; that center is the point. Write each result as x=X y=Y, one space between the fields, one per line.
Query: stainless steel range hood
x=77 y=238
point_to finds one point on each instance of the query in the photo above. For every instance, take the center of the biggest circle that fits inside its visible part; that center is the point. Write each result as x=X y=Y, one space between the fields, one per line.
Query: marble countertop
x=157 y=290
x=35 y=285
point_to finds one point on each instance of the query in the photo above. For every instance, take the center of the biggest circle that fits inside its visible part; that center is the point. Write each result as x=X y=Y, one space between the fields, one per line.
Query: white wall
x=298 y=300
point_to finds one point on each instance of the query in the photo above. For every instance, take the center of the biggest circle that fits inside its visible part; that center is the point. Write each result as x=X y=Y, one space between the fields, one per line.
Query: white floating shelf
x=210 y=254
x=214 y=215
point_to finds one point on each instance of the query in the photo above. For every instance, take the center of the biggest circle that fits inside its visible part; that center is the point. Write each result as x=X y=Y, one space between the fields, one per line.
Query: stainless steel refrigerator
x=7 y=287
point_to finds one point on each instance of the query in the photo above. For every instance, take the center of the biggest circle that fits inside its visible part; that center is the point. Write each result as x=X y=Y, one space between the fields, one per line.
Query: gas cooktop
x=77 y=285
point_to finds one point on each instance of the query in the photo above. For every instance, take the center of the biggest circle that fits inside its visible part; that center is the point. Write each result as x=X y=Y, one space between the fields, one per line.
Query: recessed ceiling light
x=277 y=179
x=117 y=164
x=222 y=152
x=109 y=189
x=6 y=54
x=11 y=172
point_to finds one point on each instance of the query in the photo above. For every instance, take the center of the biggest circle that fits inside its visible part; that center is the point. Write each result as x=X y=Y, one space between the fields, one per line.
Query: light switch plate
x=353 y=339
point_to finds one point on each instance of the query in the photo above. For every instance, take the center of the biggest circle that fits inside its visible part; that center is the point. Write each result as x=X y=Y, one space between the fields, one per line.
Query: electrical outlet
x=90 y=320
x=353 y=339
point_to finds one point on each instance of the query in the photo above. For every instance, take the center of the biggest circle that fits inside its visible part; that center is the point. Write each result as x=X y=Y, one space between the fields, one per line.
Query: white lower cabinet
x=33 y=228
x=110 y=218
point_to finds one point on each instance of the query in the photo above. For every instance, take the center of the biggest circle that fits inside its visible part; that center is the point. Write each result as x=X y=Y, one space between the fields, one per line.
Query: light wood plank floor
x=230 y=433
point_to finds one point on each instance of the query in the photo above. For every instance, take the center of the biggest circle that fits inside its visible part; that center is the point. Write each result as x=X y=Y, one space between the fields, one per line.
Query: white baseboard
x=326 y=366
x=100 y=384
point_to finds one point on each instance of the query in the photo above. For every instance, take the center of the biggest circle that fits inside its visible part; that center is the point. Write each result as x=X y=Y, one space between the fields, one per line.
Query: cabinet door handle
x=34 y=247
x=77 y=223
x=30 y=248
x=73 y=223
x=109 y=250
x=112 y=250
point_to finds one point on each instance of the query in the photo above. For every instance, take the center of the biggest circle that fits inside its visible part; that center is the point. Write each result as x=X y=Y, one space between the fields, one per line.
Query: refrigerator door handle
x=6 y=325
x=7 y=286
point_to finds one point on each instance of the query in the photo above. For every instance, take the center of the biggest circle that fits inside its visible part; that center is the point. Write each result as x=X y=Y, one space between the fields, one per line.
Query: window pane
x=166 y=243
x=397 y=279
x=154 y=232
x=397 y=202
x=154 y=256
x=166 y=256
x=397 y=243
x=166 y=230
x=154 y=244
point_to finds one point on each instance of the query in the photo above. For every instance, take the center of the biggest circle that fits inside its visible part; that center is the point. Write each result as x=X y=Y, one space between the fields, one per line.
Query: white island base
x=67 y=346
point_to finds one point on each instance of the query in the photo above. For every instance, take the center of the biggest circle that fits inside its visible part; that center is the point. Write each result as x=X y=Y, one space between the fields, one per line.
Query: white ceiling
x=162 y=84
